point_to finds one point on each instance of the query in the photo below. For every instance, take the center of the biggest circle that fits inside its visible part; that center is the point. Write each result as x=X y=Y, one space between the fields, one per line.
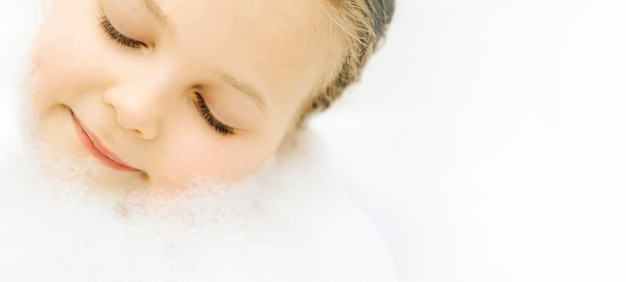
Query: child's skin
x=254 y=63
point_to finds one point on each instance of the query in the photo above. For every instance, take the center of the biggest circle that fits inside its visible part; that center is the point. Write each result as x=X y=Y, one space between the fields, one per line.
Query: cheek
x=65 y=60
x=208 y=156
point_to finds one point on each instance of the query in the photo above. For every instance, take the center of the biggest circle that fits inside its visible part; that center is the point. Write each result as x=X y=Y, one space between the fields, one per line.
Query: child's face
x=160 y=91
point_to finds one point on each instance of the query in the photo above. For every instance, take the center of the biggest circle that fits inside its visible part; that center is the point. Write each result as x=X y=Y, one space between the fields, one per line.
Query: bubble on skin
x=285 y=222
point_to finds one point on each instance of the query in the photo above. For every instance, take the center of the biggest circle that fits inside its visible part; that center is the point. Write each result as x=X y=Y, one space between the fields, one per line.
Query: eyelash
x=219 y=126
x=204 y=110
x=117 y=36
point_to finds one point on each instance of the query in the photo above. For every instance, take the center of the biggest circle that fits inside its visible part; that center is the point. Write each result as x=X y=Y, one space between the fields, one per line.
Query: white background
x=487 y=139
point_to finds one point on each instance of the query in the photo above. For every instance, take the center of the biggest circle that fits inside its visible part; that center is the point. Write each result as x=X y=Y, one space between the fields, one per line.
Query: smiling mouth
x=96 y=149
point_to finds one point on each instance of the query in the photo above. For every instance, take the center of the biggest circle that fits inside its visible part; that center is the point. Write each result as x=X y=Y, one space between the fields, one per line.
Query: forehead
x=278 y=44
x=242 y=15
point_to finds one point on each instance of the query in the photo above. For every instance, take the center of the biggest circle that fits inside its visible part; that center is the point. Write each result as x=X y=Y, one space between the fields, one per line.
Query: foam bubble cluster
x=286 y=222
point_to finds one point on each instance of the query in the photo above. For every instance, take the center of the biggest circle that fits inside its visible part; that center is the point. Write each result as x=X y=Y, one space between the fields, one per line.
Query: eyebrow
x=155 y=10
x=245 y=88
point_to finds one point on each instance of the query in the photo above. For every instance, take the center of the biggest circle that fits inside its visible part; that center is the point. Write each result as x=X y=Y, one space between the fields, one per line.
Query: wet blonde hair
x=362 y=25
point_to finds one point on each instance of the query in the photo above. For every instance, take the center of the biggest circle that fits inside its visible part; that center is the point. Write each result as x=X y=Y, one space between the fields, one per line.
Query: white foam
x=287 y=222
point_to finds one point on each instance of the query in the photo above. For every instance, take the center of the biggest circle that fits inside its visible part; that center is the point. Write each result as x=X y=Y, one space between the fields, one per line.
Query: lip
x=95 y=147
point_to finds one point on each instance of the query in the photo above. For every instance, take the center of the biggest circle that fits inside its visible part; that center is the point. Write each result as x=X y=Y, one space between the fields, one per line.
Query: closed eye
x=117 y=36
x=205 y=112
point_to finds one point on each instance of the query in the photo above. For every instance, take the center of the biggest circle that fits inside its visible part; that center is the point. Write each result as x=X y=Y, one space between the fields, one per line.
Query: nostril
x=146 y=134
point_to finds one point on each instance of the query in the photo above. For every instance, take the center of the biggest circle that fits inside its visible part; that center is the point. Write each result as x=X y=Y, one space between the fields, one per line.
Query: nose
x=138 y=107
